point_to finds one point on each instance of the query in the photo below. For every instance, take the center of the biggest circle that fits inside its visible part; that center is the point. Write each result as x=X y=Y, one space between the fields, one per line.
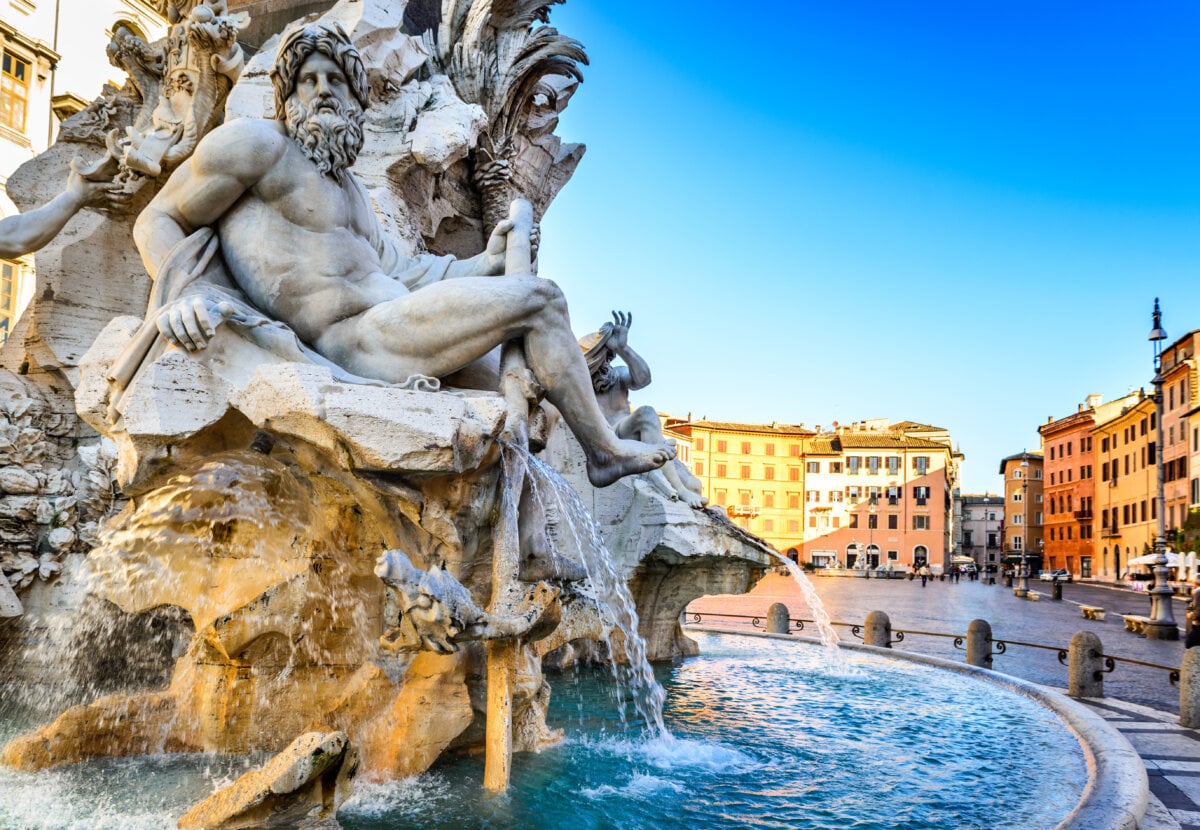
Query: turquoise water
x=763 y=737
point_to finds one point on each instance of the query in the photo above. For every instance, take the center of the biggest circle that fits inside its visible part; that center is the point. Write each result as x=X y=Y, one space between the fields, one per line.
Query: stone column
x=979 y=644
x=1189 y=689
x=1085 y=666
x=778 y=619
x=877 y=630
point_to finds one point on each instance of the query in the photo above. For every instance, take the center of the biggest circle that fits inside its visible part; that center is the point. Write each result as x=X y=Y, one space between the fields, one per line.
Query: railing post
x=1189 y=689
x=1085 y=666
x=777 y=619
x=877 y=630
x=979 y=644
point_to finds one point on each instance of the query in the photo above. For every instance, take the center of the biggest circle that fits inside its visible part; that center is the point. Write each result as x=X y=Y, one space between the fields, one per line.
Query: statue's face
x=319 y=80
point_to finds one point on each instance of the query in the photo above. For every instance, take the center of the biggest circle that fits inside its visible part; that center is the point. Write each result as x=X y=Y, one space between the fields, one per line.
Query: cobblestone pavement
x=1141 y=702
x=947 y=608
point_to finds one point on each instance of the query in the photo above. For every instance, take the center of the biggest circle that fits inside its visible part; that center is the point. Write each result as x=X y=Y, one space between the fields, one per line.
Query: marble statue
x=437 y=612
x=301 y=242
x=612 y=384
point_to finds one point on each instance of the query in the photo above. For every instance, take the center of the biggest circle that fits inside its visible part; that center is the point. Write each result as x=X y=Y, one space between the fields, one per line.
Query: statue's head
x=598 y=356
x=321 y=95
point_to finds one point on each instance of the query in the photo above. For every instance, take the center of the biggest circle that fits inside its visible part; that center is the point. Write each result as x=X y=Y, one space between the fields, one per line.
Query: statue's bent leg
x=441 y=328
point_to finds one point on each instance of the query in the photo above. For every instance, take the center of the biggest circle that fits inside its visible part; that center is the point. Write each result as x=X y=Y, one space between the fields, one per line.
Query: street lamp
x=983 y=565
x=1162 y=618
x=1022 y=586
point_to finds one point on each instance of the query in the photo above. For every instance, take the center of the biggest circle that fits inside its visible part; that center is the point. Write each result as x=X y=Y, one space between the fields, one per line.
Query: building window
x=794 y=450
x=9 y=272
x=812 y=496
x=769 y=449
x=835 y=496
x=722 y=446
x=921 y=494
x=873 y=522
x=853 y=521
x=793 y=473
x=893 y=522
x=699 y=444
x=1016 y=474
x=893 y=465
x=1017 y=543
x=920 y=523
x=768 y=525
x=699 y=468
x=721 y=470
x=837 y=521
x=1016 y=519
x=873 y=465
x=793 y=501
x=812 y=521
x=852 y=464
x=769 y=473
x=745 y=470
x=745 y=448
x=720 y=497
x=1017 y=496
x=768 y=499
x=14 y=92
x=812 y=467
x=835 y=466
x=852 y=494
x=793 y=526
x=921 y=464
x=893 y=555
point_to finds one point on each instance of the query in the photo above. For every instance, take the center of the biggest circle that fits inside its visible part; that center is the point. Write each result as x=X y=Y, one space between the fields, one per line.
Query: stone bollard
x=877 y=630
x=979 y=644
x=1085 y=666
x=1189 y=689
x=777 y=619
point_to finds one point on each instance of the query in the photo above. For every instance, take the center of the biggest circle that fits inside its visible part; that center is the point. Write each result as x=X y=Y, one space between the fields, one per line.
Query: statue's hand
x=90 y=192
x=190 y=322
x=619 y=338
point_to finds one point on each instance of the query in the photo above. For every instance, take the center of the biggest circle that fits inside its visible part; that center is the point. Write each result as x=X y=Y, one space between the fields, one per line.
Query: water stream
x=837 y=662
x=579 y=534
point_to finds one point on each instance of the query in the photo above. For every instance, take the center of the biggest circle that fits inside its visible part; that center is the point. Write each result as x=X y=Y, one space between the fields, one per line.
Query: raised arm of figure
x=638 y=369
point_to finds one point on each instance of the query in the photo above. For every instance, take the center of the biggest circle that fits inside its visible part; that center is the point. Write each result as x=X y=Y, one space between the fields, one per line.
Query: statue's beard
x=330 y=138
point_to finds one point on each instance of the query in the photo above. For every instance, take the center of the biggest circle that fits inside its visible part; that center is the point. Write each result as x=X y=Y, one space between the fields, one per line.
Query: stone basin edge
x=1117 y=792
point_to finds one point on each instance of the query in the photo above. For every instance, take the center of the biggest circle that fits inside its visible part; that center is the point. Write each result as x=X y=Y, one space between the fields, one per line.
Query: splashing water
x=611 y=593
x=838 y=664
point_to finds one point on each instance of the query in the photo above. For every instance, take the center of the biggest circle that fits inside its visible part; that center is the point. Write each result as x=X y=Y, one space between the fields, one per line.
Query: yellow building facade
x=871 y=489
x=1126 y=484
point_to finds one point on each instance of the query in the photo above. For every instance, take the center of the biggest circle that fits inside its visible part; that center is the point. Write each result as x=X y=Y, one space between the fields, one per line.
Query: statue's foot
x=629 y=458
x=694 y=500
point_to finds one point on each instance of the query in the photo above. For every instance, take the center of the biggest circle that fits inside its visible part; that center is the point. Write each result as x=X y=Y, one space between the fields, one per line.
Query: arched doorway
x=872 y=556
x=852 y=554
x=793 y=555
x=920 y=556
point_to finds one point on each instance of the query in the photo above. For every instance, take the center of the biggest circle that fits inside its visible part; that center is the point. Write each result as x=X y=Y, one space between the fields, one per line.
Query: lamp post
x=1022 y=586
x=983 y=566
x=1162 y=618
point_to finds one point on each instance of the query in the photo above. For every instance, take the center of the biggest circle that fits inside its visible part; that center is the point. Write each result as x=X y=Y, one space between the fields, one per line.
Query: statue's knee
x=548 y=296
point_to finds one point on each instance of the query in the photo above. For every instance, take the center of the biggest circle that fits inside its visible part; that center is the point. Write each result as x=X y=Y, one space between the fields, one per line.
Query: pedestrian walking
x=924 y=575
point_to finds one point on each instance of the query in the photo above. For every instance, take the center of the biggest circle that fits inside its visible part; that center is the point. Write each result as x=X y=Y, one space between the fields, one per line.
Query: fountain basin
x=765 y=736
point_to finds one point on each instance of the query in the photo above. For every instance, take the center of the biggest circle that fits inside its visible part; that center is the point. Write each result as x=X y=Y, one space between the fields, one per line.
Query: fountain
x=307 y=487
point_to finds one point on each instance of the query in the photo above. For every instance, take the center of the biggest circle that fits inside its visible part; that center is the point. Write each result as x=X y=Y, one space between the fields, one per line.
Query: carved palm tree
x=497 y=58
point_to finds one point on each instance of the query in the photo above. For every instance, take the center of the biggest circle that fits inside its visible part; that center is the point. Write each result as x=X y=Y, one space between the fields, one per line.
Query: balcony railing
x=1109 y=532
x=743 y=510
x=1083 y=514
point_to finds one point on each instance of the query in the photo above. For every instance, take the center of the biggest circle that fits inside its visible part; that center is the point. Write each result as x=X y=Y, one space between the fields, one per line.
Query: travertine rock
x=301 y=786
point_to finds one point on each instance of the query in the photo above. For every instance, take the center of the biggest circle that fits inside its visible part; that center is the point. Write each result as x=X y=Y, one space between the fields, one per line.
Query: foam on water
x=639 y=786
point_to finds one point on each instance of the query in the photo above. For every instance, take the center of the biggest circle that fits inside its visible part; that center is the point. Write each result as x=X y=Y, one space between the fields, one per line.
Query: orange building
x=1023 y=508
x=1179 y=399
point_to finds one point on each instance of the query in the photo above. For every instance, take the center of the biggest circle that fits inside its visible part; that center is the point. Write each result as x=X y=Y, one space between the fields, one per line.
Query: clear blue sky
x=956 y=213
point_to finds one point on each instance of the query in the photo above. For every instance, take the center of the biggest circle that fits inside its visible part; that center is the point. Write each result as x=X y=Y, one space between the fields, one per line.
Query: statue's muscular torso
x=299 y=244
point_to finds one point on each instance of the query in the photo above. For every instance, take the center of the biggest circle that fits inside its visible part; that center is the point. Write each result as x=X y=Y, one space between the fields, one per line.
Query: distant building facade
x=1125 y=446
x=1023 y=506
x=982 y=526
x=872 y=490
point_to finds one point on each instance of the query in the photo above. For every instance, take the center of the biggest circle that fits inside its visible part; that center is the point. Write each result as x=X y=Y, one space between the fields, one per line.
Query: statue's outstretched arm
x=25 y=233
